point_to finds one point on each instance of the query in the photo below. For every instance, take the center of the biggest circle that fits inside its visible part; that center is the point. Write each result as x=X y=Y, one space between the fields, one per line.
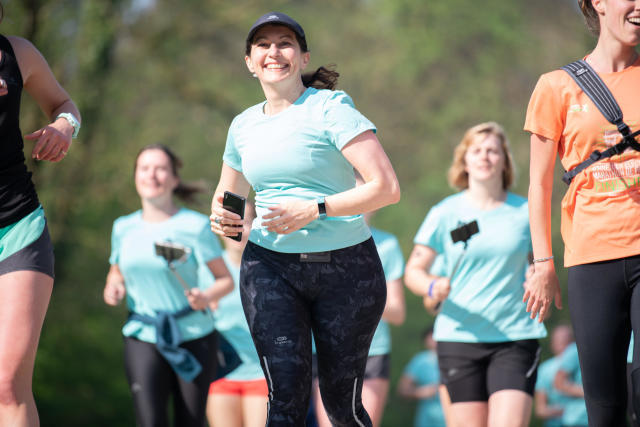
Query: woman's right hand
x=439 y=292
x=541 y=288
x=441 y=289
x=114 y=292
x=224 y=222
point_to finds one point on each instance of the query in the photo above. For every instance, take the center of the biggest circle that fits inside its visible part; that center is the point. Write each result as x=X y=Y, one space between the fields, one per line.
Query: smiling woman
x=310 y=258
x=602 y=255
x=169 y=338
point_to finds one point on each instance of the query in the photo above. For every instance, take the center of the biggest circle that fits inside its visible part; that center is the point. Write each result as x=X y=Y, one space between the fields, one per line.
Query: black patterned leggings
x=604 y=303
x=341 y=300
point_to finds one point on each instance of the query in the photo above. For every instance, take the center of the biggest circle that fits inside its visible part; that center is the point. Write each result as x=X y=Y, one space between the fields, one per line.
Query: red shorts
x=240 y=388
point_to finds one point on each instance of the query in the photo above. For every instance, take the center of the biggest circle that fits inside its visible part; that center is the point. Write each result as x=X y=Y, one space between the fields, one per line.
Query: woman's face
x=275 y=55
x=154 y=176
x=485 y=159
x=620 y=20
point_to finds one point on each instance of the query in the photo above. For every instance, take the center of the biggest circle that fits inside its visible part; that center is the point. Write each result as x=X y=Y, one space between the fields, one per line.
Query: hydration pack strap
x=599 y=93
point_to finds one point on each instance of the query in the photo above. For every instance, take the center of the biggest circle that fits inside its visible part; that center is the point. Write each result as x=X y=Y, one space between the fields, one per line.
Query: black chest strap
x=599 y=93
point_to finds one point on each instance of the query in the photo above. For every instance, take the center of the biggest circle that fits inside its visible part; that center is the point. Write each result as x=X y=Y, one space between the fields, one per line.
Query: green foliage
x=423 y=71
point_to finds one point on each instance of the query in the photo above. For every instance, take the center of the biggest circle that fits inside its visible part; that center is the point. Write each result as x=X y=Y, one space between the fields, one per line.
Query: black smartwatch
x=322 y=209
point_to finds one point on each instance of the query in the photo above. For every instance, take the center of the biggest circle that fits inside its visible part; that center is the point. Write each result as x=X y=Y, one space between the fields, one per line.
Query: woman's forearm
x=368 y=197
x=542 y=161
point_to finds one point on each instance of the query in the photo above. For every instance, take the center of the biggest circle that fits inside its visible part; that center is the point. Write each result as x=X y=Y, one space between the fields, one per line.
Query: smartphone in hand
x=234 y=203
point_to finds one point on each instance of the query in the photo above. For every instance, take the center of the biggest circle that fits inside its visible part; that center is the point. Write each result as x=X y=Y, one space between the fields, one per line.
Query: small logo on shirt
x=579 y=108
x=452 y=372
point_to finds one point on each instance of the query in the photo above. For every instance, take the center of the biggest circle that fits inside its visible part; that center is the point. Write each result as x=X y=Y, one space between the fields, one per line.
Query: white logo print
x=272 y=17
x=578 y=108
x=281 y=340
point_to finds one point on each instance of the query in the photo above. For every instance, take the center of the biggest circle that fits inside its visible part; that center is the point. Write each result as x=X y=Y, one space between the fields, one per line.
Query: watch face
x=322 y=210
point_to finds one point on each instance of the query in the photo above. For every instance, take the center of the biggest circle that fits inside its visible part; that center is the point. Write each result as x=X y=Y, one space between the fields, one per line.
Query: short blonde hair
x=458 y=176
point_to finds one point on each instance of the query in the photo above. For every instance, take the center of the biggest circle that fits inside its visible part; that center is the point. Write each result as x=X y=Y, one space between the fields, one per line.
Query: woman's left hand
x=290 y=216
x=197 y=299
x=53 y=141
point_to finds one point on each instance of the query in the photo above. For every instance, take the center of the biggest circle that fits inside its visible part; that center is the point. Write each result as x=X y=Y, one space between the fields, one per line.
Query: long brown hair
x=185 y=191
x=590 y=16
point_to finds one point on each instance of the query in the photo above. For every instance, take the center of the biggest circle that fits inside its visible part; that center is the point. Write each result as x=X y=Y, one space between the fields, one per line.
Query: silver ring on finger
x=217 y=220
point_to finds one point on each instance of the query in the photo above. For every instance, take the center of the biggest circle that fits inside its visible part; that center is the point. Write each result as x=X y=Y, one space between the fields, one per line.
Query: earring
x=254 y=75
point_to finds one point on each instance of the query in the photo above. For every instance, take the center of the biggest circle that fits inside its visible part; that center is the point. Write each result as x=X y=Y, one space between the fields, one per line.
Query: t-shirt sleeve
x=343 y=121
x=413 y=369
x=544 y=113
x=430 y=233
x=207 y=247
x=114 y=258
x=569 y=361
x=542 y=382
x=393 y=262
x=231 y=156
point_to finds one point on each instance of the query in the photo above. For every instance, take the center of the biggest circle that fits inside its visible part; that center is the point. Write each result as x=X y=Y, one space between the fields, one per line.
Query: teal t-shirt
x=630 y=352
x=423 y=370
x=485 y=302
x=575 y=410
x=296 y=154
x=546 y=376
x=231 y=323
x=151 y=287
x=393 y=265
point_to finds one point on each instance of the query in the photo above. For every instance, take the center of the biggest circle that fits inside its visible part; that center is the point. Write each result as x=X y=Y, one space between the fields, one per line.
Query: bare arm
x=114 y=289
x=564 y=385
x=543 y=286
x=418 y=279
x=201 y=299
x=543 y=409
x=54 y=139
x=380 y=189
x=409 y=389
x=394 y=310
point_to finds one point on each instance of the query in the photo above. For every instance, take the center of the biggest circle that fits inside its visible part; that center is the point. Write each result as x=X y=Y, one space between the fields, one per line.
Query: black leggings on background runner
x=284 y=298
x=604 y=302
x=153 y=382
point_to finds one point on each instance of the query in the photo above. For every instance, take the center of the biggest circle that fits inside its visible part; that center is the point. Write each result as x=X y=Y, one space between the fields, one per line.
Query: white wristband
x=72 y=121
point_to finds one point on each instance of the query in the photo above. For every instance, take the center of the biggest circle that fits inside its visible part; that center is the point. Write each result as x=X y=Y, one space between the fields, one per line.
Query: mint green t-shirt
x=546 y=376
x=296 y=154
x=231 y=322
x=393 y=266
x=485 y=302
x=151 y=287
x=575 y=410
x=423 y=370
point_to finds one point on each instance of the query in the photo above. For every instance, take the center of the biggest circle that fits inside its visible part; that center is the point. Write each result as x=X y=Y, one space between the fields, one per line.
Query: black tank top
x=17 y=194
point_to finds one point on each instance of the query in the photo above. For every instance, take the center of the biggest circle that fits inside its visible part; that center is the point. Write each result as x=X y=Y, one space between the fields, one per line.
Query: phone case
x=234 y=203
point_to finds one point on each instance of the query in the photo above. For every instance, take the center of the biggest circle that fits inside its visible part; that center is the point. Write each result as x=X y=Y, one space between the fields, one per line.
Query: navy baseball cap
x=278 y=18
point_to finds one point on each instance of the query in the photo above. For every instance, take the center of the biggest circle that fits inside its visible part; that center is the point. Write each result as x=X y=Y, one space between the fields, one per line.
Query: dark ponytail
x=322 y=78
x=590 y=16
x=185 y=191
